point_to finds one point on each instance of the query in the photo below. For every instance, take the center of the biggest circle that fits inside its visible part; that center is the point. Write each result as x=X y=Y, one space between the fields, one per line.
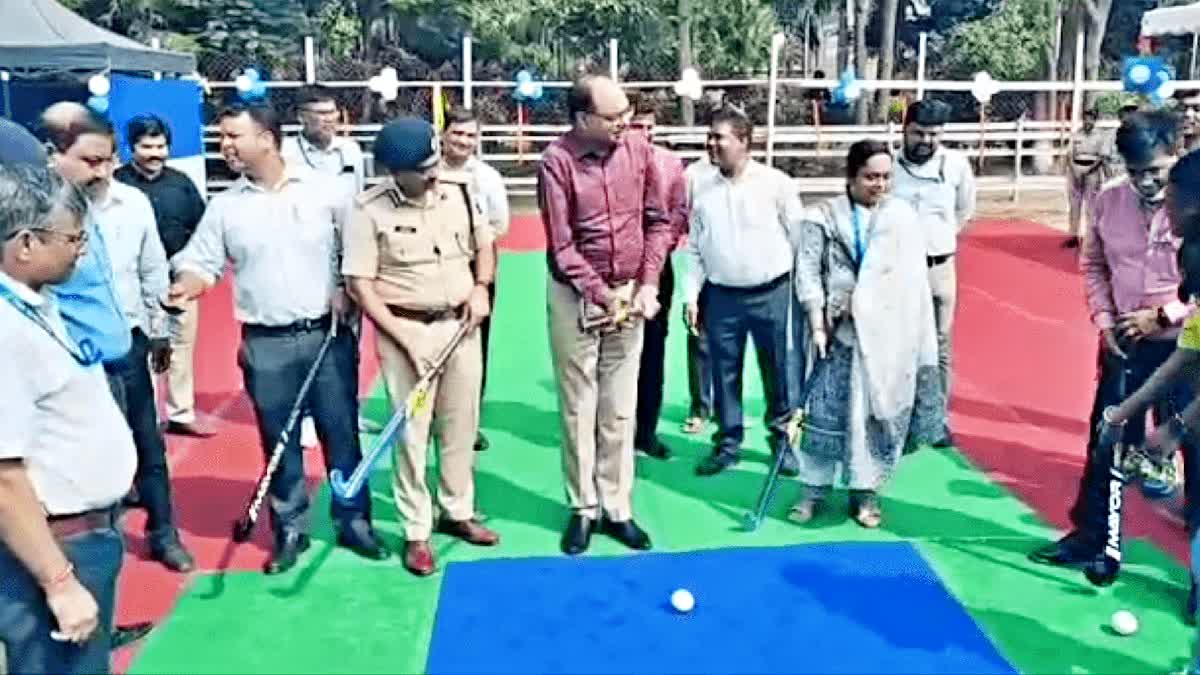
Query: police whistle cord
x=245 y=525
x=346 y=489
x=1106 y=566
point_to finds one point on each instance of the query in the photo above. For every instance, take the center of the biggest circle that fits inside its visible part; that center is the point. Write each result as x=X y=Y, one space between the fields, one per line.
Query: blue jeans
x=25 y=618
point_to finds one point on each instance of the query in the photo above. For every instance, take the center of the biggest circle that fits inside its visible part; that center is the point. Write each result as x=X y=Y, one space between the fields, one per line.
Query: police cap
x=407 y=144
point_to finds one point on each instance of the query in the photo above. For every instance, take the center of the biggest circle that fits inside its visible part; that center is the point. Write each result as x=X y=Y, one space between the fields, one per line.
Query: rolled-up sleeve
x=554 y=201
x=204 y=254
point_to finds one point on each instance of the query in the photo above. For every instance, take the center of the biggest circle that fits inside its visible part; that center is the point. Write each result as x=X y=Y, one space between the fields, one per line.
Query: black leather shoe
x=287 y=552
x=578 y=535
x=1073 y=550
x=715 y=463
x=627 y=532
x=654 y=448
x=126 y=635
x=174 y=557
x=358 y=536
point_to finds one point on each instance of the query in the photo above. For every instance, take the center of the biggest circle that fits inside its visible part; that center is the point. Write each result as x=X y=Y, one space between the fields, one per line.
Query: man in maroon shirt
x=608 y=234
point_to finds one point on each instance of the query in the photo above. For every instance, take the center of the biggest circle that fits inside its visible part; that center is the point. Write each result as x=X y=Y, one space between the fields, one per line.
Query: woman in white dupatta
x=874 y=392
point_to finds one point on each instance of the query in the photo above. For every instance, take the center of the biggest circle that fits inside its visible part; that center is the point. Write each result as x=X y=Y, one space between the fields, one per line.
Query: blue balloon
x=1145 y=75
x=527 y=88
x=98 y=104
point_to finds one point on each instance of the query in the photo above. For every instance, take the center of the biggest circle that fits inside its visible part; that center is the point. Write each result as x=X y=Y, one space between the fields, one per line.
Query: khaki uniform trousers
x=181 y=388
x=597 y=399
x=454 y=401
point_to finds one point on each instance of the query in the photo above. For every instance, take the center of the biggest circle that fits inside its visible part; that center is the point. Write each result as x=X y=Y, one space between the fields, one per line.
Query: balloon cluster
x=1148 y=76
x=250 y=85
x=99 y=87
x=528 y=89
x=848 y=90
x=689 y=84
x=386 y=84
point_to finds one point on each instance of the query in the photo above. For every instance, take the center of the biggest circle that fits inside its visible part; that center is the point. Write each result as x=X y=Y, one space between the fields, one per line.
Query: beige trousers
x=943 y=281
x=454 y=401
x=181 y=386
x=597 y=399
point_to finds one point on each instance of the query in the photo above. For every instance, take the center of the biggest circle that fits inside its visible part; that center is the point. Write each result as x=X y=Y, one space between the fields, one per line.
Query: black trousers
x=1089 y=514
x=651 y=372
x=731 y=315
x=274 y=363
x=132 y=387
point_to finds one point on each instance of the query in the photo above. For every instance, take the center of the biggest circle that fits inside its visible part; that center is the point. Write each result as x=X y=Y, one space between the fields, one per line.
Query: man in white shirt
x=66 y=455
x=319 y=148
x=745 y=229
x=280 y=225
x=459 y=143
x=123 y=219
x=940 y=186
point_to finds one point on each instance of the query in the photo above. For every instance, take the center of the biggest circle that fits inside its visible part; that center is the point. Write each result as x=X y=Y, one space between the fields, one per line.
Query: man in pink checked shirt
x=608 y=235
x=1132 y=279
x=673 y=194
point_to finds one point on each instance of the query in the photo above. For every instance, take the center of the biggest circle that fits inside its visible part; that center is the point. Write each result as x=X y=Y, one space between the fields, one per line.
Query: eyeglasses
x=77 y=239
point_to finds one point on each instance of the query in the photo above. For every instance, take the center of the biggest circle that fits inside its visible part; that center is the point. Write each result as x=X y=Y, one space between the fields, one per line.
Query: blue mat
x=830 y=608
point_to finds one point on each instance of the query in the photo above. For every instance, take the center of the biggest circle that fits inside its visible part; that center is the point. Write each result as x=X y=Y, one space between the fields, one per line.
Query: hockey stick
x=346 y=489
x=1103 y=570
x=245 y=525
x=751 y=521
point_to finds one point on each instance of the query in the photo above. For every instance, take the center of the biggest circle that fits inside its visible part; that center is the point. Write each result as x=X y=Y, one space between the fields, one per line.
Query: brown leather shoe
x=418 y=558
x=470 y=531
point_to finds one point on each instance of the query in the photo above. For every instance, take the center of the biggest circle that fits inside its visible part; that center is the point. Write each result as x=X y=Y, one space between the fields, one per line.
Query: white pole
x=310 y=60
x=156 y=44
x=777 y=41
x=613 y=63
x=1077 y=92
x=922 y=47
x=468 y=67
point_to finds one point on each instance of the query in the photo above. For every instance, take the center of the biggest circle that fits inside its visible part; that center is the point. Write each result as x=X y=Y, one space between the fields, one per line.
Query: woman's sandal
x=866 y=511
x=805 y=510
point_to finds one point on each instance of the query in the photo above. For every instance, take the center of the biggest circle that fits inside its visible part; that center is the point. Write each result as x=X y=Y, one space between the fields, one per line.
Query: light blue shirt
x=89 y=305
x=139 y=266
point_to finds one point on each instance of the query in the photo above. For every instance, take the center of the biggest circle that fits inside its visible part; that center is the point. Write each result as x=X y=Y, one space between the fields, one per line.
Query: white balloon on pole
x=98 y=85
x=984 y=87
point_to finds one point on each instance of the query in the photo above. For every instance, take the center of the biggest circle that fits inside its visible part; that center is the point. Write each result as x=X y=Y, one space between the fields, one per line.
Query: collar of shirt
x=291 y=175
x=112 y=197
x=428 y=202
x=581 y=149
x=934 y=168
x=24 y=293
x=335 y=145
x=749 y=173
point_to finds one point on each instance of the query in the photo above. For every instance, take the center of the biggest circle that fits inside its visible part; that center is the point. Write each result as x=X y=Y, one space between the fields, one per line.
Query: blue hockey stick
x=396 y=430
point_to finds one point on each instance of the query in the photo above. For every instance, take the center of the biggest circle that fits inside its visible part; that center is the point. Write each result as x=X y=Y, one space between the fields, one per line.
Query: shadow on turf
x=1041 y=249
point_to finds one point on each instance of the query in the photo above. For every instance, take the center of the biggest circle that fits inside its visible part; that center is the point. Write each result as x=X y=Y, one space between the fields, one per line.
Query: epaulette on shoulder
x=380 y=190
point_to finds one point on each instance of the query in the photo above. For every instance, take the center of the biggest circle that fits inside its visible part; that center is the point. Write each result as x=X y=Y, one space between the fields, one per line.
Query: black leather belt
x=69 y=525
x=294 y=328
x=426 y=315
x=768 y=286
x=935 y=260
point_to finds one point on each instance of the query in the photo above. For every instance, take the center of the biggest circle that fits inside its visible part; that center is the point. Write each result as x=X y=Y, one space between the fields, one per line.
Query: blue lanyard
x=860 y=242
x=85 y=354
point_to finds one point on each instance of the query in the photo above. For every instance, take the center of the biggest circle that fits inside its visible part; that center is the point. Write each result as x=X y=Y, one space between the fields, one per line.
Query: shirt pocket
x=404 y=244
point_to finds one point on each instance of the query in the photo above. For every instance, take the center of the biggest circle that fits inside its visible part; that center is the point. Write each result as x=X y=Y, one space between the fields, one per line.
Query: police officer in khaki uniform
x=409 y=250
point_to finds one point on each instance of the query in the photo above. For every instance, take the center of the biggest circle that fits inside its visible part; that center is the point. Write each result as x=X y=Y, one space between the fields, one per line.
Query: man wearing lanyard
x=130 y=249
x=288 y=292
x=460 y=140
x=319 y=148
x=744 y=232
x=66 y=455
x=939 y=184
x=178 y=207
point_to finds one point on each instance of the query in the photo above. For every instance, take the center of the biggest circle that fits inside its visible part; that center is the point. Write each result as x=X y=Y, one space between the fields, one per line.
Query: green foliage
x=733 y=38
x=267 y=31
x=1008 y=44
x=338 y=29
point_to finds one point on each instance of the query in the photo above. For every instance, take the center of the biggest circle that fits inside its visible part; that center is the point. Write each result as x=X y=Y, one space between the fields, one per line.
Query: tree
x=1000 y=44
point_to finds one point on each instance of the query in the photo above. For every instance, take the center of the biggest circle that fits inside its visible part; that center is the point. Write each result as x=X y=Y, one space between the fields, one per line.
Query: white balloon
x=243 y=83
x=99 y=85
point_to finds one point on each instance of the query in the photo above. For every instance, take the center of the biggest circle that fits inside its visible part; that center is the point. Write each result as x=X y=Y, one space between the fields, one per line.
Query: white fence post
x=921 y=52
x=777 y=41
x=468 y=69
x=1018 y=159
x=1077 y=89
x=613 y=62
x=155 y=43
x=310 y=60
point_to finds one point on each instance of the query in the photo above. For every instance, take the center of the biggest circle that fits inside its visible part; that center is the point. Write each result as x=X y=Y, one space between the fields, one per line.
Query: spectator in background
x=651 y=373
x=460 y=141
x=66 y=455
x=1091 y=167
x=1189 y=111
x=178 y=208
